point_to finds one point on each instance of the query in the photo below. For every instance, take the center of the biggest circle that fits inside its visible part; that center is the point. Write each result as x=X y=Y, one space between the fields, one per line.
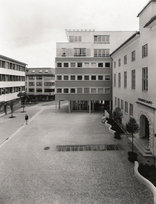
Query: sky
x=29 y=29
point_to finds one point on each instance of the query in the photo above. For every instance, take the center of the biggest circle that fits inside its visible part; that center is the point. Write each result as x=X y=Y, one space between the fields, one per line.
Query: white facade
x=136 y=94
x=12 y=78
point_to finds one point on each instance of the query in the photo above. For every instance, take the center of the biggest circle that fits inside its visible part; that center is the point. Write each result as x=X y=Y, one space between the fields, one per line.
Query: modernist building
x=134 y=81
x=40 y=83
x=12 y=81
x=83 y=68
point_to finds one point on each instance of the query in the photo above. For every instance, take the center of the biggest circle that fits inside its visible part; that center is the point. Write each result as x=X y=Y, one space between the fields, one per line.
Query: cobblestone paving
x=31 y=175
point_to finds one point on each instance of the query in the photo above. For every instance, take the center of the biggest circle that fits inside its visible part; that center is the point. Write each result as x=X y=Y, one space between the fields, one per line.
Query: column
x=59 y=104
x=69 y=106
x=89 y=106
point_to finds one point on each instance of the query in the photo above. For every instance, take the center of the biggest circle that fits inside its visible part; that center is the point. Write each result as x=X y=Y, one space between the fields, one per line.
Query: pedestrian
x=26 y=119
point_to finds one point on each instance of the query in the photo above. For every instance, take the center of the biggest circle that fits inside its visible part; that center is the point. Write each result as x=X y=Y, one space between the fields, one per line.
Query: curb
x=145 y=181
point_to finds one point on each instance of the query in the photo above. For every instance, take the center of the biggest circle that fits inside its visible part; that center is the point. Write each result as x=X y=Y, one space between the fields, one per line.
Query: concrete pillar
x=93 y=106
x=69 y=106
x=89 y=106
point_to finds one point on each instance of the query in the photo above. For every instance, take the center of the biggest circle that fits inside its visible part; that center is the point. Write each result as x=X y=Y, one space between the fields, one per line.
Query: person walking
x=26 y=119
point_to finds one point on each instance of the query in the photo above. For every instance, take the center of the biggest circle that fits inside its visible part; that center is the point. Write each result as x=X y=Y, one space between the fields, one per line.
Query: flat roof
x=10 y=59
x=146 y=7
x=130 y=38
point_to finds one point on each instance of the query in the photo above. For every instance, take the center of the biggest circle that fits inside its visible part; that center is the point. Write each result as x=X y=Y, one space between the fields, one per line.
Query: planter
x=132 y=156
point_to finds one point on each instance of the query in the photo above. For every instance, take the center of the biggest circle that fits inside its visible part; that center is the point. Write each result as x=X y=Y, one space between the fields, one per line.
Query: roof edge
x=11 y=59
x=145 y=7
x=124 y=43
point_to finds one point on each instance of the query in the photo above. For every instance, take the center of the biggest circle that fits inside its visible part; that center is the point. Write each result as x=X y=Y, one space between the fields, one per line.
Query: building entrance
x=144 y=127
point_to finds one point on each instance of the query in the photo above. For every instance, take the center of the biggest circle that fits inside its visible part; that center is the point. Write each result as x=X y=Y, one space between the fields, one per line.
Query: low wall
x=145 y=181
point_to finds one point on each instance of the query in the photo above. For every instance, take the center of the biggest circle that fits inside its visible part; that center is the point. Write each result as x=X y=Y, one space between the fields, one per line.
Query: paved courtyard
x=31 y=175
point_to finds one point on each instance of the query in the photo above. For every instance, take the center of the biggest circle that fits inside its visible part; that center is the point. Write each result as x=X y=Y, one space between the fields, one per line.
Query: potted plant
x=132 y=127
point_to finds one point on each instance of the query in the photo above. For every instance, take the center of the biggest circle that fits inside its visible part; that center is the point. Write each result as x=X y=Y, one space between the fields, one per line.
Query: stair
x=144 y=150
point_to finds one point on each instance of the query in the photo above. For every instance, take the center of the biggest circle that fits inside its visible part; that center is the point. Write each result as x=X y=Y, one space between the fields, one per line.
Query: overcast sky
x=29 y=29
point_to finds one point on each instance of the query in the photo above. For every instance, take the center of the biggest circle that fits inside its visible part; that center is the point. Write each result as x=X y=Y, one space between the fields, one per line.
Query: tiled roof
x=135 y=34
x=150 y=21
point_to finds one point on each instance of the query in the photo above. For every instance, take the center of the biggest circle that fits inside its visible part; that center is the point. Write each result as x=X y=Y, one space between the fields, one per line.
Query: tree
x=23 y=97
x=132 y=127
x=117 y=115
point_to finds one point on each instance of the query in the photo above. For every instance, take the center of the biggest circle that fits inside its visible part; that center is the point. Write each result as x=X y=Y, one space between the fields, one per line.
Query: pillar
x=59 y=104
x=69 y=106
x=93 y=106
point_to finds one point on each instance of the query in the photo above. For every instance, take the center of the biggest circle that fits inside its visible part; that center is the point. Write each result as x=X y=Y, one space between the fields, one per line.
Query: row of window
x=133 y=79
x=41 y=77
x=106 y=77
x=102 y=39
x=11 y=90
x=83 y=52
x=9 y=65
x=41 y=90
x=83 y=64
x=40 y=83
x=133 y=56
x=99 y=90
x=124 y=106
x=6 y=77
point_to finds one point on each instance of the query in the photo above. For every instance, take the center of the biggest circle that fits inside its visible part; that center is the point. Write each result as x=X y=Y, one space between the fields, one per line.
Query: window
x=101 y=39
x=118 y=102
x=125 y=79
x=39 y=90
x=48 y=90
x=107 y=64
x=48 y=84
x=86 y=77
x=115 y=101
x=133 y=79
x=79 y=90
x=39 y=77
x=31 y=90
x=100 y=77
x=72 y=77
x=93 y=64
x=31 y=83
x=86 y=64
x=79 y=52
x=86 y=90
x=59 y=77
x=119 y=80
x=114 y=80
x=75 y=39
x=119 y=62
x=59 y=64
x=79 y=64
x=131 y=109
x=2 y=64
x=107 y=90
x=101 y=52
x=93 y=77
x=72 y=90
x=100 y=64
x=126 y=107
x=145 y=79
x=107 y=77
x=145 y=50
x=79 y=77
x=100 y=90
x=114 y=64
x=122 y=104
x=133 y=56
x=125 y=59
x=38 y=83
x=59 y=90
x=66 y=77
x=72 y=64
x=31 y=77
x=65 y=90
x=65 y=64
x=64 y=50
x=93 y=90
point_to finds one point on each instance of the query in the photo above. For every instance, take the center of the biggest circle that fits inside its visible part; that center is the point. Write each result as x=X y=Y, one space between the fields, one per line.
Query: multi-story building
x=134 y=81
x=40 y=83
x=12 y=81
x=83 y=68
